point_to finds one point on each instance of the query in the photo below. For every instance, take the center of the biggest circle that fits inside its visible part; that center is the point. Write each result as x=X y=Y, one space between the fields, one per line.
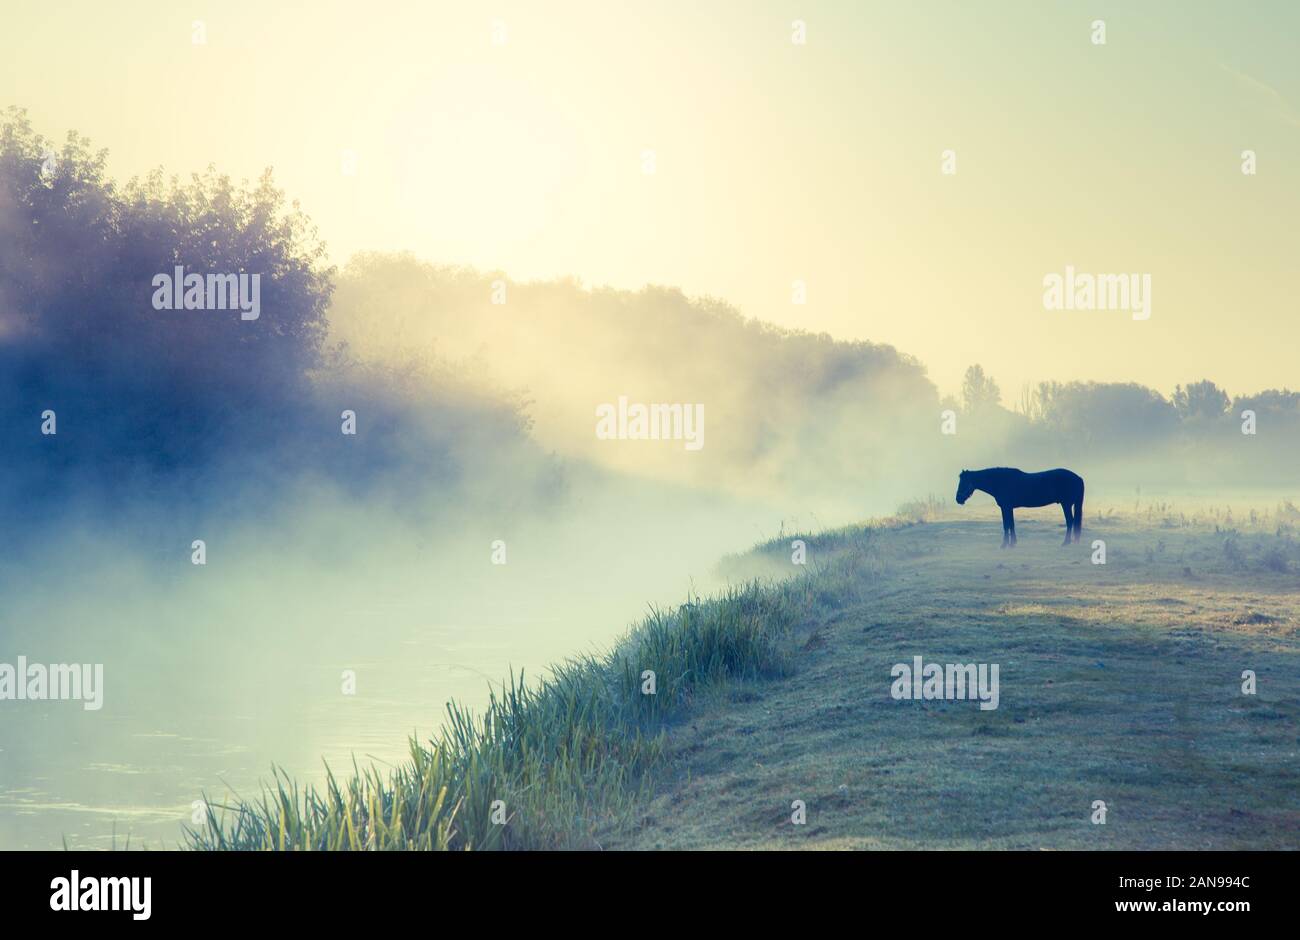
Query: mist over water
x=213 y=673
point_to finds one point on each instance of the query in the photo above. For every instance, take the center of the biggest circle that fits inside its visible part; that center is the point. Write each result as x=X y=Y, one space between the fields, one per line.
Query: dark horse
x=1014 y=488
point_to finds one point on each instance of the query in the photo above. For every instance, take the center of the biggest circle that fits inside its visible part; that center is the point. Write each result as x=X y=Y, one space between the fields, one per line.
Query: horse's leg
x=1008 y=527
x=1069 y=522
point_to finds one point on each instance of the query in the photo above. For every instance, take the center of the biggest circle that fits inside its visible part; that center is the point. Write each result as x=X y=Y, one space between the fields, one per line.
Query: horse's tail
x=1078 y=510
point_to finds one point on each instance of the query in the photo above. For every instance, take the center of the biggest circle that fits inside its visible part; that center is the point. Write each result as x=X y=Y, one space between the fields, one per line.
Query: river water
x=215 y=673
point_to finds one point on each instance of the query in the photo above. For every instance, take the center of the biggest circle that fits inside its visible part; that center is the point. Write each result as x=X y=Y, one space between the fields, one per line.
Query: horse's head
x=965 y=486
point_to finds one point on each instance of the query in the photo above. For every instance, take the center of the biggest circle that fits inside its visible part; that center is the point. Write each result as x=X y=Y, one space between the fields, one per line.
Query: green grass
x=1119 y=682
x=566 y=757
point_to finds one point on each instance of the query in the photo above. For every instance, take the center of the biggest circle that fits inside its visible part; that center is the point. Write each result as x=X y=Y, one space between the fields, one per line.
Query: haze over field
x=461 y=247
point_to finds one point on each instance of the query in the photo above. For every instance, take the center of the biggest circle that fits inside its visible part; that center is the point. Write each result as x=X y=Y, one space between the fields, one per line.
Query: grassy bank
x=567 y=757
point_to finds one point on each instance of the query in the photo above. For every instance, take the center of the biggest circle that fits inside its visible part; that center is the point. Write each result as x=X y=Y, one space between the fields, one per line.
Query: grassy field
x=1119 y=682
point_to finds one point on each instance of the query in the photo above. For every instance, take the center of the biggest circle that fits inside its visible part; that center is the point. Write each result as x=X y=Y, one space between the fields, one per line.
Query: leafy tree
x=79 y=333
x=1201 y=399
x=978 y=390
x=1284 y=402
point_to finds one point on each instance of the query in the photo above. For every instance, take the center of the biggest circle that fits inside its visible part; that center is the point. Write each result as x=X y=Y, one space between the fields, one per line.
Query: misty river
x=215 y=673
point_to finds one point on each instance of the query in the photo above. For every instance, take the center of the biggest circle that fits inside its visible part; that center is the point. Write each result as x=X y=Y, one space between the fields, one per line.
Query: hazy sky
x=773 y=161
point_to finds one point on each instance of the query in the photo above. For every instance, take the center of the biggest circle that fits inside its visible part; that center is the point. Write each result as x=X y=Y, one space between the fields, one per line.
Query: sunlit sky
x=774 y=161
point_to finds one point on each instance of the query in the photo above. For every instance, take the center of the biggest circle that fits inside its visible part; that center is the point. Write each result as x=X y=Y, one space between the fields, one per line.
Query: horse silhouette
x=1013 y=488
